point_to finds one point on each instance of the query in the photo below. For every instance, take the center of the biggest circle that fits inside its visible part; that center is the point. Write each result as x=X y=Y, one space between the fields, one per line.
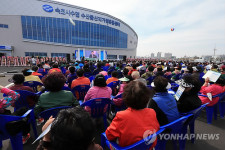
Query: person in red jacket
x=134 y=69
x=129 y=126
x=213 y=89
x=55 y=68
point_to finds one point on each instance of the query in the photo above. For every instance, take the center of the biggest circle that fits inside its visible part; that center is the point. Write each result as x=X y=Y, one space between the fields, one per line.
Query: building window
x=59 y=30
x=39 y=54
x=111 y=56
x=58 y=54
x=4 y=26
x=121 y=56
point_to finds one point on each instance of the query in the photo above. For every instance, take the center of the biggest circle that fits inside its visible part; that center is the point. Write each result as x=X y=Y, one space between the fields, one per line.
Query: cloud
x=199 y=24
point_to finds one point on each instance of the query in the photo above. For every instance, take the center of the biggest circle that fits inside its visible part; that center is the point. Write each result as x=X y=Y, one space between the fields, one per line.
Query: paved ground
x=201 y=127
x=6 y=69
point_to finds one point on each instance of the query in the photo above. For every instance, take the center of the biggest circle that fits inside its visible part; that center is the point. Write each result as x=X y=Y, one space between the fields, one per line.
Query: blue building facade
x=49 y=28
x=60 y=30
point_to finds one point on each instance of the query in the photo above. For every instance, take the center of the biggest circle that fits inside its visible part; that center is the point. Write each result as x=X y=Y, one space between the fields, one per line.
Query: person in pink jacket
x=7 y=101
x=214 y=89
x=119 y=101
x=99 y=90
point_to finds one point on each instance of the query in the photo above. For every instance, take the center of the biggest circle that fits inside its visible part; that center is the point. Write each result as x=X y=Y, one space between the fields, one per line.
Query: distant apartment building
x=159 y=55
x=168 y=55
x=152 y=55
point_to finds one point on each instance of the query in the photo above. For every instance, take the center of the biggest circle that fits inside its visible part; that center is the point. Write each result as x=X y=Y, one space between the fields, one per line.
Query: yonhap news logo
x=149 y=136
x=47 y=8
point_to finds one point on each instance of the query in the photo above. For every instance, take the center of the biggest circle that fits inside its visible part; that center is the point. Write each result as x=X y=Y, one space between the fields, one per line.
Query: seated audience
x=104 y=73
x=159 y=72
x=162 y=102
x=55 y=68
x=98 y=69
x=113 y=78
x=18 y=80
x=222 y=69
x=72 y=129
x=186 y=72
x=134 y=68
x=67 y=70
x=198 y=72
x=129 y=125
x=148 y=73
x=176 y=75
x=124 y=81
x=7 y=101
x=167 y=71
x=189 y=99
x=71 y=76
x=81 y=64
x=136 y=77
x=91 y=66
x=99 y=90
x=29 y=77
x=40 y=68
x=35 y=69
x=81 y=80
x=125 y=74
x=214 y=68
x=120 y=71
x=213 y=89
x=46 y=65
x=86 y=68
x=10 y=101
x=55 y=97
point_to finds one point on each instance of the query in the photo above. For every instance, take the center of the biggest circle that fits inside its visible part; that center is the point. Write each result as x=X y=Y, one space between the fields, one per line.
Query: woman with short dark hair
x=129 y=125
x=99 y=89
x=162 y=102
x=55 y=96
x=71 y=76
x=72 y=129
x=18 y=80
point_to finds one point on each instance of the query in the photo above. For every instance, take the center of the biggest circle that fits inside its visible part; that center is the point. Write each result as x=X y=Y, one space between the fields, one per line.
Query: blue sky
x=199 y=24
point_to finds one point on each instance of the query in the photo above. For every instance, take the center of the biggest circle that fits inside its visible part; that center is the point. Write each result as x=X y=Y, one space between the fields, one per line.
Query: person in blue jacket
x=162 y=102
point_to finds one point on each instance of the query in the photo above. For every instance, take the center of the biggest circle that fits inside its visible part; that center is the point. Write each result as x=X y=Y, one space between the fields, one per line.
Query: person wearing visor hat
x=124 y=81
x=162 y=102
x=189 y=99
x=29 y=77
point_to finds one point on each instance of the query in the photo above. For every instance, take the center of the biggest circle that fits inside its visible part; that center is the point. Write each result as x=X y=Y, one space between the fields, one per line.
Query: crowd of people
x=144 y=87
x=28 y=60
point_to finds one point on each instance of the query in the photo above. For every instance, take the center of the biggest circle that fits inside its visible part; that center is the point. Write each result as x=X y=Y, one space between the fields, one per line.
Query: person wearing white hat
x=124 y=81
